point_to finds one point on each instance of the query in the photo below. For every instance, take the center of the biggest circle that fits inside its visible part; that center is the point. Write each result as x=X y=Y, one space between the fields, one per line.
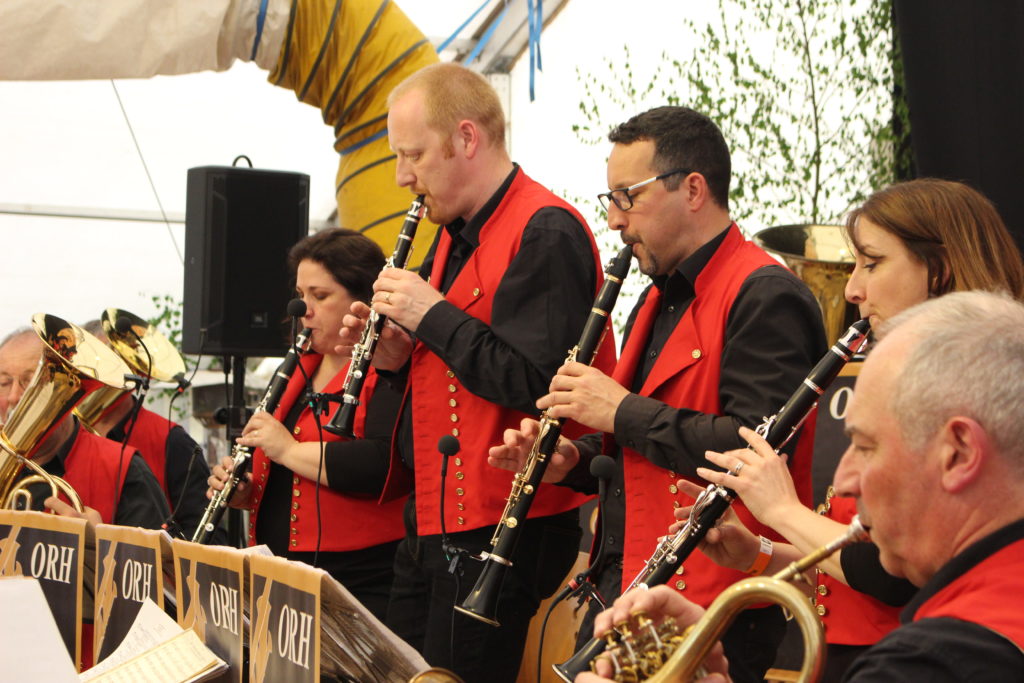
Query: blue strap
x=486 y=37
x=362 y=143
x=449 y=39
x=260 y=18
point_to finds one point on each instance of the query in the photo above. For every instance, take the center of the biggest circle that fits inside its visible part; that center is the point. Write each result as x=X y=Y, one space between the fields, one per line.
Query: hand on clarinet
x=657 y=603
x=729 y=544
x=584 y=394
x=516 y=446
x=266 y=432
x=393 y=348
x=763 y=482
x=403 y=296
x=220 y=475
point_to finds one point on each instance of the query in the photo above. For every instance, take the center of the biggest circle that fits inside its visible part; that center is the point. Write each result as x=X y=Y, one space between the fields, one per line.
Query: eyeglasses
x=622 y=198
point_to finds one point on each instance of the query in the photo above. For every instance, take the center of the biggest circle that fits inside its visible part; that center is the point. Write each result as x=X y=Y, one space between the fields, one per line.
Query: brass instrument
x=820 y=256
x=362 y=352
x=73 y=364
x=641 y=651
x=240 y=455
x=167 y=363
x=777 y=430
x=482 y=601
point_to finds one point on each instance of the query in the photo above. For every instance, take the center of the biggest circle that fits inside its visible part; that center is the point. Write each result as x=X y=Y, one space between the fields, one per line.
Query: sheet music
x=156 y=649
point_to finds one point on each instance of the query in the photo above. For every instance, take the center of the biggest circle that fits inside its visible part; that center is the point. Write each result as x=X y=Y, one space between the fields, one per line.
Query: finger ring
x=255 y=433
x=735 y=471
x=387 y=298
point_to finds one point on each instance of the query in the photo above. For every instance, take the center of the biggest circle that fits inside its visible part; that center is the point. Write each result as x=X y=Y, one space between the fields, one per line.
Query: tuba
x=641 y=651
x=147 y=353
x=820 y=256
x=73 y=365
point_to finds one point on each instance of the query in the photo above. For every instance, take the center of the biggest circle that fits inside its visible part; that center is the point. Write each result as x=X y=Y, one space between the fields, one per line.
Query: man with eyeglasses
x=720 y=338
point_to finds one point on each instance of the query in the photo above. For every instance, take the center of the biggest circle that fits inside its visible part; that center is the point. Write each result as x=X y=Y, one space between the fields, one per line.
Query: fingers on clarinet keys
x=638 y=648
x=735 y=471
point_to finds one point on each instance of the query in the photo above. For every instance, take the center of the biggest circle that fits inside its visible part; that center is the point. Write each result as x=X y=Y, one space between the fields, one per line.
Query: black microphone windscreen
x=296 y=308
x=449 y=445
x=602 y=467
x=122 y=324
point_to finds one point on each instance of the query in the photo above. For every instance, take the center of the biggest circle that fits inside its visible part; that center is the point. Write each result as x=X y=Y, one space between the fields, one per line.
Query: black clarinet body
x=777 y=430
x=481 y=603
x=242 y=455
x=362 y=352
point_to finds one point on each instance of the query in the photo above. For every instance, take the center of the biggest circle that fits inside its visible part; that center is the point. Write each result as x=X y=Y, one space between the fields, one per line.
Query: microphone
x=296 y=308
x=448 y=446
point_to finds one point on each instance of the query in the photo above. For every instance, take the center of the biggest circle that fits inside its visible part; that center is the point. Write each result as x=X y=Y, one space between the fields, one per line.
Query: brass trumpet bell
x=822 y=258
x=167 y=363
x=73 y=364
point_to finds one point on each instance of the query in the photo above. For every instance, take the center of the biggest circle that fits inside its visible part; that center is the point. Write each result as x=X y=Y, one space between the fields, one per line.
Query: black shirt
x=773 y=337
x=186 y=473
x=537 y=315
x=864 y=572
x=142 y=502
x=946 y=649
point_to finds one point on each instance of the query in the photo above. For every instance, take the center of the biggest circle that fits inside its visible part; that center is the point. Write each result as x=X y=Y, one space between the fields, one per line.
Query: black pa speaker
x=239 y=225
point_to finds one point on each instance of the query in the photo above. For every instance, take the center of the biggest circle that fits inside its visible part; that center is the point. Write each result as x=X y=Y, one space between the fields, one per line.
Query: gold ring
x=387 y=298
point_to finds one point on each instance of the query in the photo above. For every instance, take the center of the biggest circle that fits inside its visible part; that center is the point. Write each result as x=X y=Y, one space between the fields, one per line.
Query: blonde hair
x=453 y=93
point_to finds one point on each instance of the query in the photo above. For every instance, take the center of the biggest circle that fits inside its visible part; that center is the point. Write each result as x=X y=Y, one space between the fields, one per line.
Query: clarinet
x=362 y=352
x=712 y=503
x=240 y=455
x=482 y=601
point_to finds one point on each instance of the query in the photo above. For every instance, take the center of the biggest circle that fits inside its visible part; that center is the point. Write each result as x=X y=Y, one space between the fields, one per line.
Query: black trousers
x=751 y=643
x=425 y=592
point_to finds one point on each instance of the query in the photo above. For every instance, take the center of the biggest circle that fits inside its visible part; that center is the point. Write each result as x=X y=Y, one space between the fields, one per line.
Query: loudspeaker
x=239 y=225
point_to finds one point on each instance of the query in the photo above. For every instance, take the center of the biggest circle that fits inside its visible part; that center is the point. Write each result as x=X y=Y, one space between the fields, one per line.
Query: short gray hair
x=14 y=334
x=968 y=360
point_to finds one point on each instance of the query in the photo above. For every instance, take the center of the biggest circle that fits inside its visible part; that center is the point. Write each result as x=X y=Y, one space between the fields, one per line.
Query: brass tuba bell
x=73 y=364
x=822 y=258
x=167 y=363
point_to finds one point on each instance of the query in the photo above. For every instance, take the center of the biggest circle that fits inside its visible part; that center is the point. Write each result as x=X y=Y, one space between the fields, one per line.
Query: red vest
x=91 y=468
x=348 y=522
x=149 y=437
x=475 y=493
x=686 y=375
x=985 y=595
x=849 y=616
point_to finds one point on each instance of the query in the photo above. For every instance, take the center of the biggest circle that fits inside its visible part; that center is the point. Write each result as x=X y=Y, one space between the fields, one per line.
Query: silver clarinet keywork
x=362 y=352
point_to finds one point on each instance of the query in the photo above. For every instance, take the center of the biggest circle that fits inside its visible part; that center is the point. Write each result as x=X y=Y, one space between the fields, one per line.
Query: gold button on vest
x=680 y=585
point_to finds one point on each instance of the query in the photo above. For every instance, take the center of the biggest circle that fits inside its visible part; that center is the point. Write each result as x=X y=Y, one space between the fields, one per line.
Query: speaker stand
x=238 y=415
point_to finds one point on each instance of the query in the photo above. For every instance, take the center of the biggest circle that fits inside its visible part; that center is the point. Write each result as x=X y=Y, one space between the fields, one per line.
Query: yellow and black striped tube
x=344 y=57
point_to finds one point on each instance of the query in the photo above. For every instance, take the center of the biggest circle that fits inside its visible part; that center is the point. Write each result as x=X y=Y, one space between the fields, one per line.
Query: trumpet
x=641 y=651
x=777 y=430
x=240 y=454
x=73 y=365
x=362 y=352
x=482 y=601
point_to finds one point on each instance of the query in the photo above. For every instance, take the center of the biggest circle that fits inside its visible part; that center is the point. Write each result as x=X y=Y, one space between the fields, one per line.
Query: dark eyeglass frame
x=621 y=196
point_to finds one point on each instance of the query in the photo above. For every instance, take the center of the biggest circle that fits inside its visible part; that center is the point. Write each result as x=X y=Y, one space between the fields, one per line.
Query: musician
x=312 y=496
x=937 y=471
x=719 y=339
x=115 y=483
x=912 y=241
x=173 y=456
x=512 y=274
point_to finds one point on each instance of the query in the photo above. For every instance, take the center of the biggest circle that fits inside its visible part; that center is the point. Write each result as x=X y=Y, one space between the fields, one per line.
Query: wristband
x=764 y=556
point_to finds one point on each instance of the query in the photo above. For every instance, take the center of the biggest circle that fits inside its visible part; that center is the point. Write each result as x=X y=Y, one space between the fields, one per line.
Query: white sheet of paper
x=31 y=648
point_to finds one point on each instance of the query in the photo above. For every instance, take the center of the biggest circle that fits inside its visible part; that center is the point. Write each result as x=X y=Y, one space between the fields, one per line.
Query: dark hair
x=951 y=228
x=682 y=138
x=353 y=259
